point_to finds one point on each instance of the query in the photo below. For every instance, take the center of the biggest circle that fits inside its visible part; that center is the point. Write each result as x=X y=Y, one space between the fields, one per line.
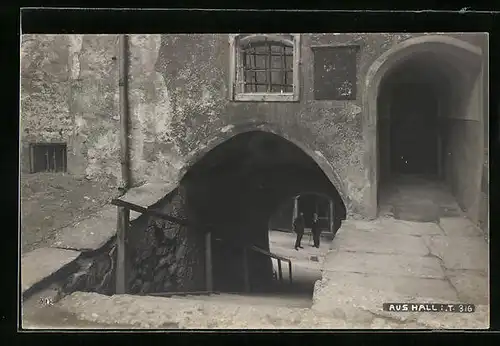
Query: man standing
x=315 y=230
x=298 y=227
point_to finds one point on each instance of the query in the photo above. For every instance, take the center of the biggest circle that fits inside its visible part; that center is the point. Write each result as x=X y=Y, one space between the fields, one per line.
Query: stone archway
x=236 y=185
x=232 y=130
x=443 y=47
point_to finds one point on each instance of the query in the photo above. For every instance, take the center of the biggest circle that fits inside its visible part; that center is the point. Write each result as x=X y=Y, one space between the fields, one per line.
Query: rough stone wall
x=166 y=256
x=162 y=256
x=179 y=104
x=69 y=93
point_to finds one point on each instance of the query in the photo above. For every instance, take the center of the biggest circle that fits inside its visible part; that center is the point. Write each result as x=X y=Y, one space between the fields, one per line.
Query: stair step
x=230 y=298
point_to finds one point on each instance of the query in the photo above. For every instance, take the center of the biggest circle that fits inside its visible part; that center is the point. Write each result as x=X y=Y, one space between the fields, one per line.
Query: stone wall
x=180 y=108
x=165 y=256
x=161 y=256
x=69 y=93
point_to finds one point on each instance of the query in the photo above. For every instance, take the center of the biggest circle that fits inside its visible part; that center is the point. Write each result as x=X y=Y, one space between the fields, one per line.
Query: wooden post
x=280 y=273
x=295 y=209
x=208 y=262
x=290 y=271
x=246 y=274
x=121 y=234
x=330 y=216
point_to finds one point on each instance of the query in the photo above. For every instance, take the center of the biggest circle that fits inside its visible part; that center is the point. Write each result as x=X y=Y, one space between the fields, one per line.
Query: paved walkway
x=389 y=260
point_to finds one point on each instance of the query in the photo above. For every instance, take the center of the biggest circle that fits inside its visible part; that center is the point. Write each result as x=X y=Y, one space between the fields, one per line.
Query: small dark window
x=267 y=67
x=335 y=70
x=48 y=157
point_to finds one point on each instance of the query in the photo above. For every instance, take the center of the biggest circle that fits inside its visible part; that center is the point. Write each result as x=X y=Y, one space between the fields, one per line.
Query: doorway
x=414 y=127
x=423 y=149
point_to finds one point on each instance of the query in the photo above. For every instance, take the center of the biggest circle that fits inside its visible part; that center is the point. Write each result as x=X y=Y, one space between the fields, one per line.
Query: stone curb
x=82 y=237
x=43 y=266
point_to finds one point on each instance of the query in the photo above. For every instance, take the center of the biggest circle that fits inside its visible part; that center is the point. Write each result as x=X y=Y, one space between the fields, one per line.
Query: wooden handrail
x=270 y=254
x=279 y=258
x=142 y=210
x=122 y=230
x=266 y=253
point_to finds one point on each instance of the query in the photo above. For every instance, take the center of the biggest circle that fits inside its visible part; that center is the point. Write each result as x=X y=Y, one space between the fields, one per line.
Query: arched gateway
x=423 y=115
x=239 y=184
x=228 y=194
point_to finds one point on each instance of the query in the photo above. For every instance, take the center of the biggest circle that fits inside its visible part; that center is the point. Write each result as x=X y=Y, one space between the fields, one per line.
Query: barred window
x=48 y=157
x=265 y=68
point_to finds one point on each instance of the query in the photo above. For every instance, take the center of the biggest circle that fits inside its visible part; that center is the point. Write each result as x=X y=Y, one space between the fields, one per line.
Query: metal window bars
x=48 y=157
x=266 y=67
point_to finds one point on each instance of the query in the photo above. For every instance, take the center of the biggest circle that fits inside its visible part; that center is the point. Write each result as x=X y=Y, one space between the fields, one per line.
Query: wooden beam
x=246 y=273
x=121 y=234
x=142 y=210
x=280 y=272
x=295 y=209
x=208 y=262
x=330 y=216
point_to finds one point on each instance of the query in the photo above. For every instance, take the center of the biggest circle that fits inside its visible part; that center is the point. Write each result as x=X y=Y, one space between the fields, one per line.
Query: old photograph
x=254 y=181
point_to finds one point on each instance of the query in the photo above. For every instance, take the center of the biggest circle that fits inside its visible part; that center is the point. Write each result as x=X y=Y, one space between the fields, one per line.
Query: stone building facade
x=187 y=97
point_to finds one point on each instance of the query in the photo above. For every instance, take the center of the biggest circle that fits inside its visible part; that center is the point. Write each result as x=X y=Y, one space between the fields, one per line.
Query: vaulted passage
x=430 y=135
x=237 y=187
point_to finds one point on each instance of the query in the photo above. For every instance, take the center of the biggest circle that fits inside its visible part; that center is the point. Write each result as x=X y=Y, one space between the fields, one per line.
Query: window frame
x=236 y=43
x=49 y=146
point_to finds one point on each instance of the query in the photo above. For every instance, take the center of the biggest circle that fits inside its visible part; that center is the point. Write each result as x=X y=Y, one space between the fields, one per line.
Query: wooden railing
x=123 y=225
x=257 y=249
x=279 y=259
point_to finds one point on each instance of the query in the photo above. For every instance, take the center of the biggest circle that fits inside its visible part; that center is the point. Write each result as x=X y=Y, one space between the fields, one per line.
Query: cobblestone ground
x=52 y=201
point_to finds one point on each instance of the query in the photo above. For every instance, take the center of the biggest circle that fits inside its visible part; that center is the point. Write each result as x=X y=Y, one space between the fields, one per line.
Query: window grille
x=267 y=67
x=48 y=157
x=264 y=67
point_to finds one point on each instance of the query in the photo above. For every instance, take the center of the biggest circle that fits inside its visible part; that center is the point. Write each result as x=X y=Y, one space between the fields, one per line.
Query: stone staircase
x=267 y=299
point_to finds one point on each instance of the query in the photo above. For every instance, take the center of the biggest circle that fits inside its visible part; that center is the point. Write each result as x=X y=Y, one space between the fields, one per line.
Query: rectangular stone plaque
x=335 y=70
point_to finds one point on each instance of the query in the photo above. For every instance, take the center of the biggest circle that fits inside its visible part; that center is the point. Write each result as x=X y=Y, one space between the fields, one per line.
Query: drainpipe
x=124 y=112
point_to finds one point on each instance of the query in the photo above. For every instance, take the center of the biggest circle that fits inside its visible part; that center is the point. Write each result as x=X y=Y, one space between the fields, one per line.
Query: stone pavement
x=369 y=263
x=87 y=235
x=389 y=260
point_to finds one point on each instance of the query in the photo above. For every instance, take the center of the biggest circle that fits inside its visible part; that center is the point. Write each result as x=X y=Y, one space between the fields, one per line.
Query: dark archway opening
x=424 y=112
x=307 y=203
x=237 y=187
x=414 y=127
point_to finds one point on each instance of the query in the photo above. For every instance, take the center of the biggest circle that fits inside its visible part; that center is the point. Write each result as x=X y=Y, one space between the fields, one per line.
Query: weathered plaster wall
x=462 y=152
x=69 y=93
x=45 y=91
x=179 y=105
x=192 y=112
x=465 y=145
